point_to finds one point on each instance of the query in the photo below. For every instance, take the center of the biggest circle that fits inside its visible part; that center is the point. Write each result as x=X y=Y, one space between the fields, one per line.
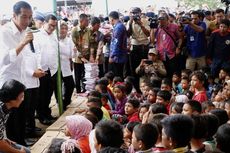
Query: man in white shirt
x=66 y=53
x=46 y=43
x=14 y=42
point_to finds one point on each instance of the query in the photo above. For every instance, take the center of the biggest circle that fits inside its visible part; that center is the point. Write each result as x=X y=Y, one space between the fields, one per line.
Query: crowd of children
x=187 y=113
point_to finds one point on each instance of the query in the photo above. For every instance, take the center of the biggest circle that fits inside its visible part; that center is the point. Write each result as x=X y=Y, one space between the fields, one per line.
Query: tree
x=200 y=4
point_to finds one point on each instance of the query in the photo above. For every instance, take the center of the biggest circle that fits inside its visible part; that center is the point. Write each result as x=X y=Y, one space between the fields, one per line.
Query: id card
x=192 y=38
x=163 y=36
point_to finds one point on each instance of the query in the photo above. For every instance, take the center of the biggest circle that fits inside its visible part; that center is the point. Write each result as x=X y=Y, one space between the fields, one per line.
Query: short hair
x=121 y=87
x=212 y=123
x=221 y=114
x=11 y=90
x=109 y=75
x=195 y=105
x=200 y=127
x=219 y=11
x=94 y=93
x=200 y=76
x=196 y=13
x=223 y=137
x=83 y=16
x=117 y=79
x=75 y=22
x=134 y=102
x=109 y=133
x=95 y=20
x=206 y=104
x=225 y=22
x=130 y=126
x=177 y=106
x=167 y=81
x=158 y=108
x=95 y=100
x=156 y=119
x=166 y=95
x=19 y=5
x=179 y=128
x=129 y=87
x=112 y=150
x=92 y=118
x=103 y=81
x=96 y=112
x=114 y=15
x=147 y=133
x=50 y=17
x=187 y=71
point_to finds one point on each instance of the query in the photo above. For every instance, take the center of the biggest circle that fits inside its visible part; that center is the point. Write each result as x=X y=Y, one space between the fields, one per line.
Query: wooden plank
x=60 y=123
x=44 y=142
x=78 y=102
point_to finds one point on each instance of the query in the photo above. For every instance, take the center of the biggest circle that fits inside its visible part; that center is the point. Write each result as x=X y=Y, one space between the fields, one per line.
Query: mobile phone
x=148 y=62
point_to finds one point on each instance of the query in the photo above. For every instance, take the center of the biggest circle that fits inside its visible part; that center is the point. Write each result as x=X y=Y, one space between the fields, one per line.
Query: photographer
x=139 y=30
x=168 y=41
x=196 y=42
x=152 y=67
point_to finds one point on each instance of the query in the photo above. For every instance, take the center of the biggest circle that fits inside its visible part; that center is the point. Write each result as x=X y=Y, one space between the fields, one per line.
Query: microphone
x=29 y=29
x=32 y=46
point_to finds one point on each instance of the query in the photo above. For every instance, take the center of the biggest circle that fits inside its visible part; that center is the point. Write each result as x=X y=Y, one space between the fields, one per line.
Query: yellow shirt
x=106 y=115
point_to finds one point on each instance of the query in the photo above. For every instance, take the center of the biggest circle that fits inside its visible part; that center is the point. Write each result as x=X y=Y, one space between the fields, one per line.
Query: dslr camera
x=136 y=17
x=153 y=22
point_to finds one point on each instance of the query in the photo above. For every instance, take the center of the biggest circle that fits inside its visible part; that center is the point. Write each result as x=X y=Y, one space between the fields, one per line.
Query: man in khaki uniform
x=81 y=39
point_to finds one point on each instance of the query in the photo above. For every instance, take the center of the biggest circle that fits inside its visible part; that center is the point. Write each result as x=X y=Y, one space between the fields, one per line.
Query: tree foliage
x=200 y=4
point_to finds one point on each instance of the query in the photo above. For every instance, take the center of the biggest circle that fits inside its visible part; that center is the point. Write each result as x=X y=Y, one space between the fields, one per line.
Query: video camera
x=136 y=17
x=153 y=22
x=227 y=2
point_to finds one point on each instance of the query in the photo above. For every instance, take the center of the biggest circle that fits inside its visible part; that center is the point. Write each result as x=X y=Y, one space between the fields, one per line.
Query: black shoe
x=52 y=118
x=33 y=129
x=30 y=142
x=46 y=121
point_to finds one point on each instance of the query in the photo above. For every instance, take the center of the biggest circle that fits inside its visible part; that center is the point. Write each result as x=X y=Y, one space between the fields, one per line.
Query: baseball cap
x=153 y=51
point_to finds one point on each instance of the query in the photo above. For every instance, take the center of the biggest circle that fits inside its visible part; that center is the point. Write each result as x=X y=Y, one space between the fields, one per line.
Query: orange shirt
x=83 y=144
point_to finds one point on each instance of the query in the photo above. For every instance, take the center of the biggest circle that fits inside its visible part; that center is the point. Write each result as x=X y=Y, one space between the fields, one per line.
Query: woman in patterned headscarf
x=78 y=128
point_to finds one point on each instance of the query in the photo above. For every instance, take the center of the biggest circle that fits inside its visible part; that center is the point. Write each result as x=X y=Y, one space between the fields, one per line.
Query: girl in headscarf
x=78 y=128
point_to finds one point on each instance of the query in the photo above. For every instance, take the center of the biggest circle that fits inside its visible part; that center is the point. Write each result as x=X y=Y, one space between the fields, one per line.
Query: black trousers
x=79 y=73
x=106 y=64
x=68 y=87
x=171 y=66
x=117 y=69
x=138 y=53
x=101 y=70
x=16 y=123
x=31 y=100
x=48 y=85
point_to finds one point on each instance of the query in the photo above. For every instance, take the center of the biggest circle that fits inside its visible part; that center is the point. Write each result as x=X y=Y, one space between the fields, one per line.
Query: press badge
x=164 y=37
x=192 y=38
x=86 y=45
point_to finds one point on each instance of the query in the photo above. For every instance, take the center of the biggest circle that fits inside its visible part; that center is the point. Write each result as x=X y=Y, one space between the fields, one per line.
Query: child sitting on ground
x=192 y=107
x=164 y=97
x=198 y=81
x=144 y=137
x=131 y=110
x=78 y=128
x=121 y=99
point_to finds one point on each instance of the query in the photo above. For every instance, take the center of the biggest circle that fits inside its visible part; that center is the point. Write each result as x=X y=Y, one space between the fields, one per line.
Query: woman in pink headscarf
x=78 y=128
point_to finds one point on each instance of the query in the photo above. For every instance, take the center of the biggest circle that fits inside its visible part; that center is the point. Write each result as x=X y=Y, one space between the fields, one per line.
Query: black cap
x=135 y=10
